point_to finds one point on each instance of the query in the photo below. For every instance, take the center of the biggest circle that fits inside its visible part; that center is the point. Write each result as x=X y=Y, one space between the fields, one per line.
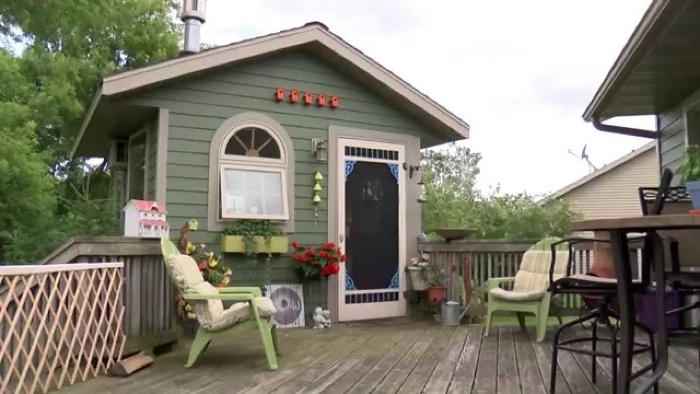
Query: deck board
x=400 y=357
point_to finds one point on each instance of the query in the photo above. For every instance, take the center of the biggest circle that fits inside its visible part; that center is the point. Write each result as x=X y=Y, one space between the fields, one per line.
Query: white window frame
x=248 y=163
x=146 y=162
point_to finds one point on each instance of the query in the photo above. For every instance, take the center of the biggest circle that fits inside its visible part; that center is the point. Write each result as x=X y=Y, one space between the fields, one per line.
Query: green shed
x=241 y=131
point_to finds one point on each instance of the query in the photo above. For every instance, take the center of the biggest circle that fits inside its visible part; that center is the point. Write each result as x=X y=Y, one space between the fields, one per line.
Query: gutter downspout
x=631 y=131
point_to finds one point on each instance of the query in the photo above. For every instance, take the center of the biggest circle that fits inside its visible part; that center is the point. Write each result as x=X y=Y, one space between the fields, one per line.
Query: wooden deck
x=385 y=358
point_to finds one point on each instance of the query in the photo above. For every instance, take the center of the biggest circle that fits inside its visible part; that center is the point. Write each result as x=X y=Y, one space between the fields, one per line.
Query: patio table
x=618 y=229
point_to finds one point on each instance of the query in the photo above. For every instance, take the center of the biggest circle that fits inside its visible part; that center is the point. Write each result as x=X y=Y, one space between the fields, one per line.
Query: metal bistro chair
x=676 y=201
x=606 y=290
x=603 y=292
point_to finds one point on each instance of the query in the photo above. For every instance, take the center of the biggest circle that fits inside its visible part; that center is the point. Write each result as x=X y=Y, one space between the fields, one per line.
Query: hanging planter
x=252 y=237
x=258 y=244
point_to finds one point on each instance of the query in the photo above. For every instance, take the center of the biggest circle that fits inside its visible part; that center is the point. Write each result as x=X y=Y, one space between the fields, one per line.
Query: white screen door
x=371 y=221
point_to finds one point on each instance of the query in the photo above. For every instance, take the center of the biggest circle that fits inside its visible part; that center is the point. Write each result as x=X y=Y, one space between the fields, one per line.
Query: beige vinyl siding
x=672 y=138
x=615 y=193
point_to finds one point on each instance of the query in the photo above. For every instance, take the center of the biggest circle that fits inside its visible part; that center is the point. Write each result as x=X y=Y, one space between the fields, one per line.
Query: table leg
x=623 y=273
x=660 y=311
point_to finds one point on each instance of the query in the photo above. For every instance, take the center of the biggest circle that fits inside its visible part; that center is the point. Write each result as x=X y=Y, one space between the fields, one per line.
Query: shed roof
x=313 y=36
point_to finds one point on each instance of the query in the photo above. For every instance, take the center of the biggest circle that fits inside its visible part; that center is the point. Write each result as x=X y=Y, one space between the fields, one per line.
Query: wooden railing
x=149 y=296
x=498 y=258
x=59 y=324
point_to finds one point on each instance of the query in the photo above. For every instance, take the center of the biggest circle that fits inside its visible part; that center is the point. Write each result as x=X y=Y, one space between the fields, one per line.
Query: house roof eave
x=128 y=81
x=647 y=30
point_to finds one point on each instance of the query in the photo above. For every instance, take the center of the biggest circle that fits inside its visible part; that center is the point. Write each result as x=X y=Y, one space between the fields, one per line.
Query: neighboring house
x=210 y=127
x=657 y=73
x=612 y=191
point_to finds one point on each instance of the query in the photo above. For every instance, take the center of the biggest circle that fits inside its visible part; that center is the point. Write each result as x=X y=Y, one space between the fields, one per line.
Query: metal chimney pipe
x=192 y=16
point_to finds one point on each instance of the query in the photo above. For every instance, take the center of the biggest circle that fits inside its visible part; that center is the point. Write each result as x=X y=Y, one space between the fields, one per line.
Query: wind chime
x=317 y=195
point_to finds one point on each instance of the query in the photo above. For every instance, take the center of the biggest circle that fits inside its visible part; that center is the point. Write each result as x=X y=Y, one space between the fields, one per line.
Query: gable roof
x=147 y=206
x=657 y=67
x=313 y=35
x=595 y=174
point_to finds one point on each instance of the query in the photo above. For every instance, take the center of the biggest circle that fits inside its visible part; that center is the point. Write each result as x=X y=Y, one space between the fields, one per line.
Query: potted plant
x=436 y=279
x=317 y=262
x=252 y=237
x=689 y=172
x=417 y=272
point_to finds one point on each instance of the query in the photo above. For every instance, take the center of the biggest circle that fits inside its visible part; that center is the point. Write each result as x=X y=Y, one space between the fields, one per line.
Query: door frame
x=412 y=144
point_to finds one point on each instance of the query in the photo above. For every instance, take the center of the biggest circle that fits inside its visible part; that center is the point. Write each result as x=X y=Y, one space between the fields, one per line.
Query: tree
x=454 y=201
x=55 y=52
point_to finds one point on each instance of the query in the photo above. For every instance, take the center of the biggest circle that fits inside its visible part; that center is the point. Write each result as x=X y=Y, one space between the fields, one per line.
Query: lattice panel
x=58 y=324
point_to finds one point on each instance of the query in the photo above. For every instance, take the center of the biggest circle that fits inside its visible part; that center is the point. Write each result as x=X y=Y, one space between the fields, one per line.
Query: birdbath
x=454 y=234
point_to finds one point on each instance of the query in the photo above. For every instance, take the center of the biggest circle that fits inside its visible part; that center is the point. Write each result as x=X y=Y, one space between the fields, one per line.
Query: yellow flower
x=225 y=281
x=190 y=248
x=191 y=315
x=213 y=262
x=228 y=272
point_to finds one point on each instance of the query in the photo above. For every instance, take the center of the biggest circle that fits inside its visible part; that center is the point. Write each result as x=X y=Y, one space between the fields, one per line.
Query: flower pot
x=236 y=244
x=437 y=293
x=694 y=191
x=417 y=282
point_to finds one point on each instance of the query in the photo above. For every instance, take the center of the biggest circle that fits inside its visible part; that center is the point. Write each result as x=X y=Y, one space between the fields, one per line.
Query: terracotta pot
x=437 y=293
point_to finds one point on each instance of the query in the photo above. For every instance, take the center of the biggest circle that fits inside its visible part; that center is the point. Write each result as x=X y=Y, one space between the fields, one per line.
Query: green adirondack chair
x=254 y=311
x=530 y=283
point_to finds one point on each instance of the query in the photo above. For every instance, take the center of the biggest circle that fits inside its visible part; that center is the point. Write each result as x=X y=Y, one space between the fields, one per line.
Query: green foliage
x=52 y=56
x=689 y=170
x=453 y=201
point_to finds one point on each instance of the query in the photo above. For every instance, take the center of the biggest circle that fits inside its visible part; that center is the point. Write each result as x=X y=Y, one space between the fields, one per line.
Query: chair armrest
x=252 y=290
x=220 y=296
x=495 y=282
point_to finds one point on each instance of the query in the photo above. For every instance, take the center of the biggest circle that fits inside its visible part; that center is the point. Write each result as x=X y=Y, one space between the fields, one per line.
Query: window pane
x=250 y=192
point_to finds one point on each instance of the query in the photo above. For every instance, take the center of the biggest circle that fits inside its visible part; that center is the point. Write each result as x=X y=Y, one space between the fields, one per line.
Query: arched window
x=252 y=167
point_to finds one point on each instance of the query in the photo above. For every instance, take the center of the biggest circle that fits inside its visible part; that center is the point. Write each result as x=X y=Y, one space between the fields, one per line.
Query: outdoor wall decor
x=322 y=99
x=317 y=192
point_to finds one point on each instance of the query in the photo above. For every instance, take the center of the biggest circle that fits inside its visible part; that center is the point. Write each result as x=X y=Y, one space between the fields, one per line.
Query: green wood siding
x=198 y=106
x=671 y=139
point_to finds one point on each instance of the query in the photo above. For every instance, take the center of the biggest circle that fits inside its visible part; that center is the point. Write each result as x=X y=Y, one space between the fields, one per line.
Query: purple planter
x=646 y=309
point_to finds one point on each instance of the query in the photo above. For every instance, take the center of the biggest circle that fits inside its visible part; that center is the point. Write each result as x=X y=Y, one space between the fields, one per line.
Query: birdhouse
x=145 y=219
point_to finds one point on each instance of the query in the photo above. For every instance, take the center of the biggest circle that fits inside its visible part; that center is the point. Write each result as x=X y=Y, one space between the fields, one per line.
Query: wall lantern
x=319 y=148
x=421 y=197
x=411 y=169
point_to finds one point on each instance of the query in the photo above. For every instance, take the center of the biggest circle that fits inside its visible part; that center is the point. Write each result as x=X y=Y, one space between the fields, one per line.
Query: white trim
x=258 y=161
x=215 y=222
x=16 y=270
x=162 y=133
x=283 y=195
x=130 y=80
x=607 y=168
x=351 y=312
x=132 y=137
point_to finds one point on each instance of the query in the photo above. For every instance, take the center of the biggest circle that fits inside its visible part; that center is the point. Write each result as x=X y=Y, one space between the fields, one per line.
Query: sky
x=521 y=73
